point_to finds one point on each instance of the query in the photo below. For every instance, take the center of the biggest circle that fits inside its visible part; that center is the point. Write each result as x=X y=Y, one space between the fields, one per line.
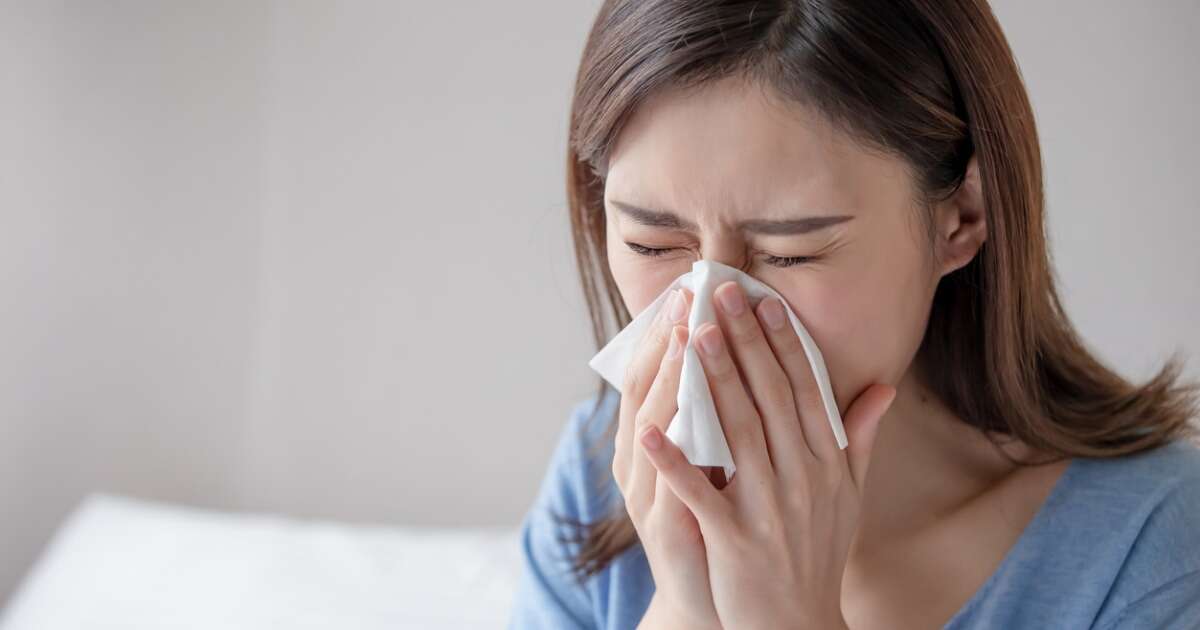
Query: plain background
x=314 y=258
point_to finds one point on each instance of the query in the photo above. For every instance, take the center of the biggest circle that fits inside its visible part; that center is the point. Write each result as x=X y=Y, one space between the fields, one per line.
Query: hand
x=660 y=617
x=668 y=532
x=777 y=536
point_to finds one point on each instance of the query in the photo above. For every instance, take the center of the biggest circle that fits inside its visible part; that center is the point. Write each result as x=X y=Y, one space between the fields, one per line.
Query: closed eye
x=774 y=261
x=647 y=251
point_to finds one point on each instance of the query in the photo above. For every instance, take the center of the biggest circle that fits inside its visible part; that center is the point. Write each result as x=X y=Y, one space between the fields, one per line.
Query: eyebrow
x=670 y=220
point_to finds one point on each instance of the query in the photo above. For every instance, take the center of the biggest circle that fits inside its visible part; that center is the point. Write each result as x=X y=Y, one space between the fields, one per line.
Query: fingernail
x=651 y=438
x=772 y=313
x=710 y=341
x=678 y=306
x=732 y=301
x=673 y=345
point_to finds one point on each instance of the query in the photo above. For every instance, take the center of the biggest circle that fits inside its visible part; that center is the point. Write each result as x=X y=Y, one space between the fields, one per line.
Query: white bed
x=131 y=564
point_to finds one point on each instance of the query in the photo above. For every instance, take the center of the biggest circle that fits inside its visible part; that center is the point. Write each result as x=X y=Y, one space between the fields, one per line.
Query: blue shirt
x=1116 y=544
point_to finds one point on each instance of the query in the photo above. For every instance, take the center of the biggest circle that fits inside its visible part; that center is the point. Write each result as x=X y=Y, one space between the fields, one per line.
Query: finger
x=672 y=508
x=639 y=374
x=739 y=419
x=685 y=480
x=768 y=383
x=657 y=410
x=784 y=340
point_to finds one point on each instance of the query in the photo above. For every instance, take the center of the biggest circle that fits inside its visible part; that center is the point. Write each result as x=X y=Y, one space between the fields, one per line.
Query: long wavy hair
x=932 y=82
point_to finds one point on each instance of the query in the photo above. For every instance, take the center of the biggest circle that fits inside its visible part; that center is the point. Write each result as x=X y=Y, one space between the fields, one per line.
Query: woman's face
x=717 y=166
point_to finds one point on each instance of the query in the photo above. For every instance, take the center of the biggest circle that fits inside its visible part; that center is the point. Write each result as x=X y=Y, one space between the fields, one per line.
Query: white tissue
x=696 y=428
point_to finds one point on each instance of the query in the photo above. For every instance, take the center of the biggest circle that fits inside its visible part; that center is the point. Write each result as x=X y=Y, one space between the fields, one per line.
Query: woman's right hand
x=669 y=533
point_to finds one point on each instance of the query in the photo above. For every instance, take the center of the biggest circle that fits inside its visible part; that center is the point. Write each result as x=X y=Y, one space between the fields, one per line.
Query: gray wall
x=313 y=257
x=130 y=196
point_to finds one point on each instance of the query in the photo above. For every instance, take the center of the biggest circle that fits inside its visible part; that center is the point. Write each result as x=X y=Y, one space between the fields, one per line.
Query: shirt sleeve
x=548 y=594
x=1172 y=606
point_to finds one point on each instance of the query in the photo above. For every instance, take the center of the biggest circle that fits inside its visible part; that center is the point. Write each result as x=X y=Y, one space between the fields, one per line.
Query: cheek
x=868 y=327
x=641 y=280
x=836 y=320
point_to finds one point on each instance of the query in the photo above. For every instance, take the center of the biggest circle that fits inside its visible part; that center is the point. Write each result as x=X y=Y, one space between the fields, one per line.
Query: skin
x=925 y=506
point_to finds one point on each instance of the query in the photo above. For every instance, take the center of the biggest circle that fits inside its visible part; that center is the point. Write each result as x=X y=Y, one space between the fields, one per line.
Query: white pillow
x=130 y=564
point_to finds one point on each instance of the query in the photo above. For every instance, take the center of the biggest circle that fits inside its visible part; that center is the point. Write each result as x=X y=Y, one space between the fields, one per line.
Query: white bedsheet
x=131 y=564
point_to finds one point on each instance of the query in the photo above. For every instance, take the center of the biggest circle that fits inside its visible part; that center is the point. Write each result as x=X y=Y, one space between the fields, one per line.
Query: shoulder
x=579 y=473
x=573 y=492
x=1147 y=508
x=1153 y=497
x=1177 y=460
x=586 y=434
x=621 y=591
x=591 y=417
x=1155 y=492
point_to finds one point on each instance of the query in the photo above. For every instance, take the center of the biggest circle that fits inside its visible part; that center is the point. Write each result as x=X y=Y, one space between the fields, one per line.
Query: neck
x=926 y=462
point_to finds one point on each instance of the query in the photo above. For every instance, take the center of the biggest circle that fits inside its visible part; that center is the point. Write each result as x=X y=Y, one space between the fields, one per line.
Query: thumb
x=862 y=425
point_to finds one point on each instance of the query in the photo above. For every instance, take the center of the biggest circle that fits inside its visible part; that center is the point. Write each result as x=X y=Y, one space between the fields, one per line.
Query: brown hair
x=932 y=82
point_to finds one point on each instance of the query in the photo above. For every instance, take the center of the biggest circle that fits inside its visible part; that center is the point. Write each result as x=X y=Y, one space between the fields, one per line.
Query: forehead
x=730 y=147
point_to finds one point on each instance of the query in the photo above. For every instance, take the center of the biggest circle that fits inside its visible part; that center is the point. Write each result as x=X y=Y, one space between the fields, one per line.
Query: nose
x=728 y=253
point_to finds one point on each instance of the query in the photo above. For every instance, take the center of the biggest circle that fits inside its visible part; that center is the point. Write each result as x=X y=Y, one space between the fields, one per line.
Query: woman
x=876 y=162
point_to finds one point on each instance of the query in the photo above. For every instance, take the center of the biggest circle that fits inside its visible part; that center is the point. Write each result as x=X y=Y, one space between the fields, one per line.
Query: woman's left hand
x=778 y=534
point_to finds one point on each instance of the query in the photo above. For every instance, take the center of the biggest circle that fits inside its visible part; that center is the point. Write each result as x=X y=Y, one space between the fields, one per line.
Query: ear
x=960 y=222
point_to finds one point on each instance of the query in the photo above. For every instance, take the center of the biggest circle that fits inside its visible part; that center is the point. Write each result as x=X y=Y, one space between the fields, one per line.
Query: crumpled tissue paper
x=695 y=427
